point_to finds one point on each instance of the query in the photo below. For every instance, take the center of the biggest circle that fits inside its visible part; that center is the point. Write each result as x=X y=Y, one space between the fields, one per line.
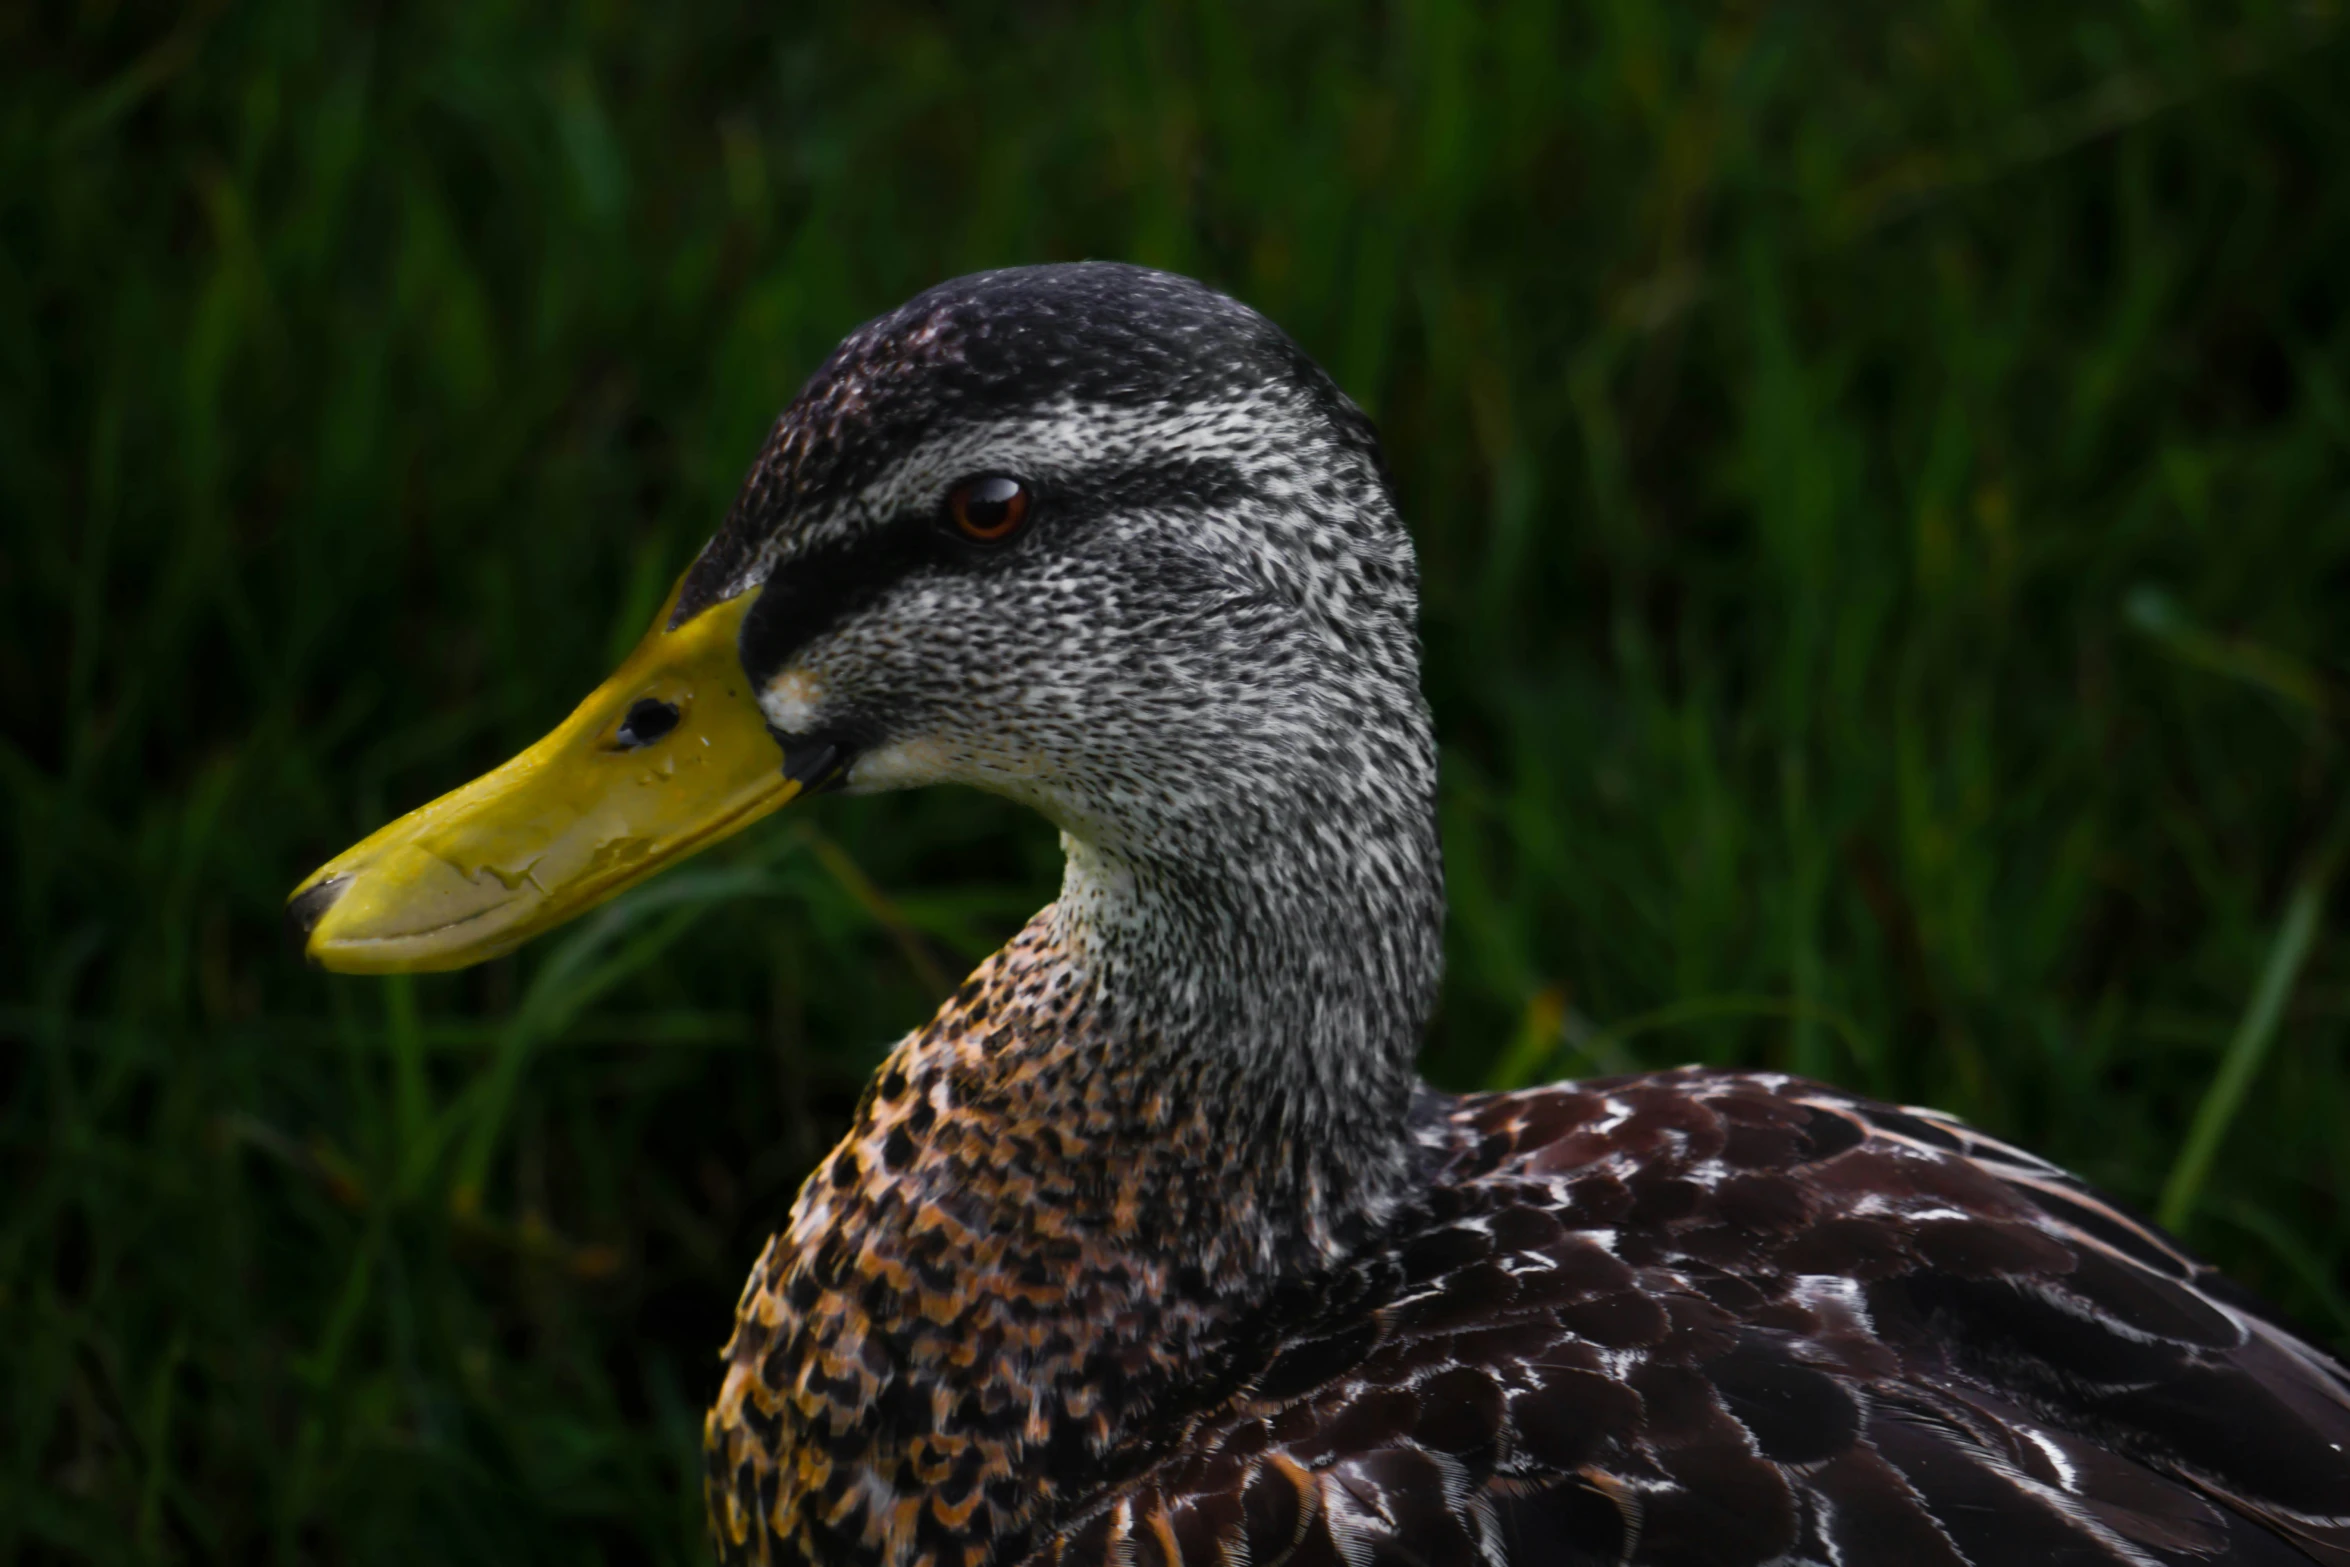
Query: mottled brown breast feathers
x=996 y=1295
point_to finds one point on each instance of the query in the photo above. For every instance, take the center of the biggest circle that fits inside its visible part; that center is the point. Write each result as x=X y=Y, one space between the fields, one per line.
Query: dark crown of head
x=998 y=344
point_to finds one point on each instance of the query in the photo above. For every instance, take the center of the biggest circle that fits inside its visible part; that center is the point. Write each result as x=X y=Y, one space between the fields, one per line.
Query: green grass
x=1883 y=475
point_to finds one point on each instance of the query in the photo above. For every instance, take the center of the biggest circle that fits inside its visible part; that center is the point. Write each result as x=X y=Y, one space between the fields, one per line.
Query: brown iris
x=988 y=509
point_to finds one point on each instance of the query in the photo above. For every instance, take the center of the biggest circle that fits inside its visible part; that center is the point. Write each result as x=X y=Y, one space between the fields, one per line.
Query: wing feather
x=1707 y=1319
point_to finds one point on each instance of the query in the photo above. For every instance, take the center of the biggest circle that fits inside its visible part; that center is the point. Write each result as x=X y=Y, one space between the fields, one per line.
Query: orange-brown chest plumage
x=1012 y=1260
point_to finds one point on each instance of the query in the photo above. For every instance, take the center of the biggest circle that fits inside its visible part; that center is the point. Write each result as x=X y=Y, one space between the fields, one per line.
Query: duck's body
x=1151 y=1247
x=1702 y=1318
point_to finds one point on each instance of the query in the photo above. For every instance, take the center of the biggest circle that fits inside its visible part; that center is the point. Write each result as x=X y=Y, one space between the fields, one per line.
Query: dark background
x=1883 y=478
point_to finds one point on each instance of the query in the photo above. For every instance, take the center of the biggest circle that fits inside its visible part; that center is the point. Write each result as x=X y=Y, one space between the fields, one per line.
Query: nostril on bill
x=647 y=721
x=304 y=912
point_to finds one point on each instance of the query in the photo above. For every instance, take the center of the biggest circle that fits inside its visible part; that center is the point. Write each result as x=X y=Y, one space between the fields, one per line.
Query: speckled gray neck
x=1287 y=979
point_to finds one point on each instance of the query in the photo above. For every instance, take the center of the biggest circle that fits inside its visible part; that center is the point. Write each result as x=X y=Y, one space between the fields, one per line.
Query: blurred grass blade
x=1536 y=1042
x=2296 y=1254
x=2157 y=614
x=2245 y=1052
x=411 y=1092
x=843 y=868
x=605 y=949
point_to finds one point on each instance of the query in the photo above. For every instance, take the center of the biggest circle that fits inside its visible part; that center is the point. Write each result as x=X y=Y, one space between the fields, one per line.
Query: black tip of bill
x=304 y=912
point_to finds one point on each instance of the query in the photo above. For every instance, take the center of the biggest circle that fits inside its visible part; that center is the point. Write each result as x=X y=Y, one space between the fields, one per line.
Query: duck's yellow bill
x=668 y=756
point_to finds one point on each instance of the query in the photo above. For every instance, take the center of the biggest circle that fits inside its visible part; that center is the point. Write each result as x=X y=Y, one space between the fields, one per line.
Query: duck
x=1151 y=1246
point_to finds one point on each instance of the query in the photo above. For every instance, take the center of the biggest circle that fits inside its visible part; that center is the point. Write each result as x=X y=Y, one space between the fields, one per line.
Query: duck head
x=1090 y=536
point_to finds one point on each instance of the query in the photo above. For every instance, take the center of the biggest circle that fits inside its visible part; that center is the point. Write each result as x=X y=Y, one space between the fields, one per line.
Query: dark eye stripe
x=814 y=590
x=810 y=593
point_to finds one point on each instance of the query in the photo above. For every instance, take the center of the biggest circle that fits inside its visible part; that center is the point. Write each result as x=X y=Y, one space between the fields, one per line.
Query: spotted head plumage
x=1093 y=365
x=1180 y=448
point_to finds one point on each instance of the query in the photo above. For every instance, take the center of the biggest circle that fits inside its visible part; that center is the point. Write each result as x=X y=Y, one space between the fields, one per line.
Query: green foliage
x=1883 y=475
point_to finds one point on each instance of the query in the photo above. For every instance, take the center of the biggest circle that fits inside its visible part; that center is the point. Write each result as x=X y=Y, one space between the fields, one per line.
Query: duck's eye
x=647 y=721
x=989 y=509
